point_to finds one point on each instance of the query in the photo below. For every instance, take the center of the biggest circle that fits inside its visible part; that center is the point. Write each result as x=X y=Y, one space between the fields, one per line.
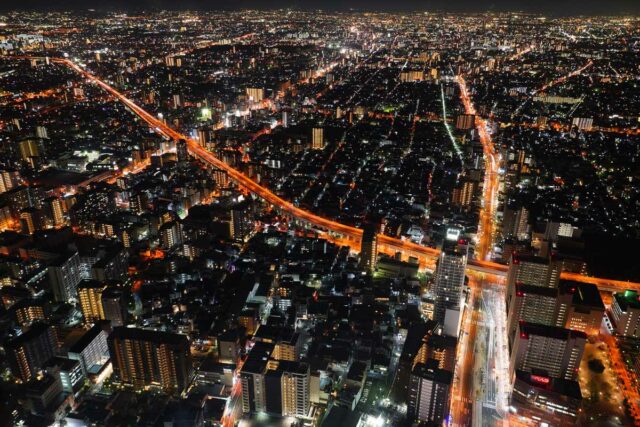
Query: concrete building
x=547 y=350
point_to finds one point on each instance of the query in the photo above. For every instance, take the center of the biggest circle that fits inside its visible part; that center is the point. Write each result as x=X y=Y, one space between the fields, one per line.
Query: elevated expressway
x=340 y=233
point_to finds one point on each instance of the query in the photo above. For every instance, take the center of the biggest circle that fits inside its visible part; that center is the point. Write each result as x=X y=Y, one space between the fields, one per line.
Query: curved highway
x=352 y=235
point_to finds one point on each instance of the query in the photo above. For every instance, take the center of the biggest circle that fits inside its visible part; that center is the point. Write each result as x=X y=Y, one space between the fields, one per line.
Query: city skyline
x=566 y=8
x=315 y=218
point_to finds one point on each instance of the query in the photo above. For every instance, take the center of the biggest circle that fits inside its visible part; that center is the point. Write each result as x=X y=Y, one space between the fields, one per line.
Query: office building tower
x=64 y=276
x=90 y=297
x=429 y=393
x=531 y=270
x=114 y=306
x=448 y=285
x=547 y=350
x=28 y=352
x=143 y=357
x=317 y=140
x=625 y=312
x=91 y=350
x=533 y=304
x=285 y=119
x=242 y=224
x=369 y=247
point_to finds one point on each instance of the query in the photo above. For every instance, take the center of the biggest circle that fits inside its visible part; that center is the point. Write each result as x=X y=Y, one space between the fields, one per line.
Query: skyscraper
x=531 y=270
x=64 y=276
x=532 y=304
x=28 y=352
x=144 y=357
x=547 y=350
x=449 y=283
x=429 y=393
x=317 y=141
x=369 y=247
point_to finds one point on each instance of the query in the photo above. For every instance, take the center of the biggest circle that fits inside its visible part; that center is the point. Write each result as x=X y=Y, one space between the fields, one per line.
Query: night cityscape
x=333 y=215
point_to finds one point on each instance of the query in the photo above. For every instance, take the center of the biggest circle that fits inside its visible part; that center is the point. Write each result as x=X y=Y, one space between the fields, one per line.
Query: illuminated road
x=462 y=390
x=348 y=235
x=491 y=177
x=562 y=79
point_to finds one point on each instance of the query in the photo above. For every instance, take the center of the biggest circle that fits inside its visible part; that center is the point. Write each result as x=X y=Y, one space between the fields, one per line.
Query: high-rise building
x=28 y=352
x=29 y=148
x=9 y=179
x=317 y=140
x=252 y=378
x=625 y=311
x=532 y=304
x=114 y=306
x=64 y=276
x=29 y=310
x=241 y=221
x=171 y=234
x=547 y=350
x=429 y=393
x=90 y=297
x=287 y=389
x=255 y=94
x=91 y=350
x=531 y=270
x=54 y=211
x=462 y=195
x=448 y=285
x=143 y=357
x=369 y=247
x=31 y=220
x=285 y=119
x=465 y=121
x=572 y=305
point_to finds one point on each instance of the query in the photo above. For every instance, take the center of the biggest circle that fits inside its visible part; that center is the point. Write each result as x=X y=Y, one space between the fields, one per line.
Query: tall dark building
x=144 y=357
x=114 y=306
x=429 y=393
x=369 y=247
x=28 y=352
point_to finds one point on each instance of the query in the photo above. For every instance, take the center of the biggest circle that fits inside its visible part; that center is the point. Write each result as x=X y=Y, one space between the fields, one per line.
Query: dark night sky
x=551 y=7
